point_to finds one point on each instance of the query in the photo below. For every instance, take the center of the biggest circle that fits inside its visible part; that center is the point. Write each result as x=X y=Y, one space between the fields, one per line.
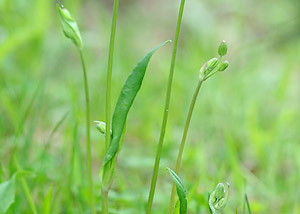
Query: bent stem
x=108 y=95
x=166 y=110
x=186 y=128
x=88 y=138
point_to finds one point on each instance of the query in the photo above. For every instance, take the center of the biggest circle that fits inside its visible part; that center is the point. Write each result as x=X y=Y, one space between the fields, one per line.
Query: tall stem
x=109 y=72
x=166 y=111
x=88 y=138
x=108 y=95
x=179 y=157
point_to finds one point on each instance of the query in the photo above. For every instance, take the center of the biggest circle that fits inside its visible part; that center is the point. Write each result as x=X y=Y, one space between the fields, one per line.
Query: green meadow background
x=245 y=127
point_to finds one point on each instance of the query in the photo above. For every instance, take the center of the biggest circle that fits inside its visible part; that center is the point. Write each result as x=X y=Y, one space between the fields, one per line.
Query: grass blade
x=181 y=191
x=247 y=203
x=125 y=100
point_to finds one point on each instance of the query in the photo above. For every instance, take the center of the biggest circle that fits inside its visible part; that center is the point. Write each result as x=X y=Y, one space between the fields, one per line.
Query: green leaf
x=69 y=25
x=125 y=100
x=47 y=202
x=181 y=191
x=7 y=193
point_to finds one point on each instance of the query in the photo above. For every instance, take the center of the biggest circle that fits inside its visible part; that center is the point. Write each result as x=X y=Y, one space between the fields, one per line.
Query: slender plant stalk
x=108 y=95
x=186 y=128
x=109 y=73
x=104 y=201
x=26 y=188
x=88 y=138
x=166 y=111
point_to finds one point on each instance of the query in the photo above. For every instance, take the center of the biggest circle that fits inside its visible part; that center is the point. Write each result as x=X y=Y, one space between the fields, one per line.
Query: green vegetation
x=244 y=127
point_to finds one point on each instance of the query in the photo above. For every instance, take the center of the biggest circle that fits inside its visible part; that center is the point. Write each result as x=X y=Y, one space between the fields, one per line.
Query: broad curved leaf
x=125 y=100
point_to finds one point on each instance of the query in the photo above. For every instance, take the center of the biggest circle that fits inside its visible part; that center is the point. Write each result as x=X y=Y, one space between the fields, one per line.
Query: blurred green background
x=246 y=123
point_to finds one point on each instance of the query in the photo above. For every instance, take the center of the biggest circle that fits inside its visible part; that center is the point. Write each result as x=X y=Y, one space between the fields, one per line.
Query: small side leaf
x=125 y=100
x=181 y=191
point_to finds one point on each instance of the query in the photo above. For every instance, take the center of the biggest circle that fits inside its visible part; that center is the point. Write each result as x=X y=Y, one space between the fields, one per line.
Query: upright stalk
x=26 y=188
x=88 y=138
x=186 y=128
x=108 y=95
x=109 y=73
x=104 y=201
x=166 y=111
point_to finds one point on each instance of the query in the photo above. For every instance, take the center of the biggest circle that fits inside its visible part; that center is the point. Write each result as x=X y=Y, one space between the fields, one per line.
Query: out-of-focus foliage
x=245 y=125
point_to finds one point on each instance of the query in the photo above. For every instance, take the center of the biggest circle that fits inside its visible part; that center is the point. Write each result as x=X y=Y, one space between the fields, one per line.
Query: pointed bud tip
x=59 y=4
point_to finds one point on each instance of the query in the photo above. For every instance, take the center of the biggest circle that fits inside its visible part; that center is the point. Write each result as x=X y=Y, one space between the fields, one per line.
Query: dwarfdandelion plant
x=108 y=93
x=124 y=103
x=210 y=68
x=218 y=199
x=71 y=31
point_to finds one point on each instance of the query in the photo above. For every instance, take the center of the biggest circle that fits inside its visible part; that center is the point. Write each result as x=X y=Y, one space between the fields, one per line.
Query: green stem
x=108 y=95
x=109 y=73
x=26 y=188
x=104 y=201
x=179 y=157
x=88 y=138
x=166 y=111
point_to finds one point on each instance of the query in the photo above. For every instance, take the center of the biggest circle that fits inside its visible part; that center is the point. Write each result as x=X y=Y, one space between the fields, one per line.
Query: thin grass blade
x=247 y=203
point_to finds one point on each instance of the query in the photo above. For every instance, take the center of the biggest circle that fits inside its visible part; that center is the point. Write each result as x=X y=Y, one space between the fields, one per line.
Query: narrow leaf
x=247 y=203
x=181 y=191
x=125 y=100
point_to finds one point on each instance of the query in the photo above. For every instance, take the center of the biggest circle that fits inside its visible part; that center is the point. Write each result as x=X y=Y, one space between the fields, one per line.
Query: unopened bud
x=223 y=66
x=220 y=191
x=101 y=126
x=219 y=198
x=222 y=51
x=69 y=25
x=211 y=64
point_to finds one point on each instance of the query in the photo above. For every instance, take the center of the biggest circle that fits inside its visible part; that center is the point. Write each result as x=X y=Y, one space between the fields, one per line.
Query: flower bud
x=222 y=48
x=211 y=64
x=223 y=66
x=218 y=198
x=220 y=191
x=101 y=126
x=69 y=25
x=203 y=68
